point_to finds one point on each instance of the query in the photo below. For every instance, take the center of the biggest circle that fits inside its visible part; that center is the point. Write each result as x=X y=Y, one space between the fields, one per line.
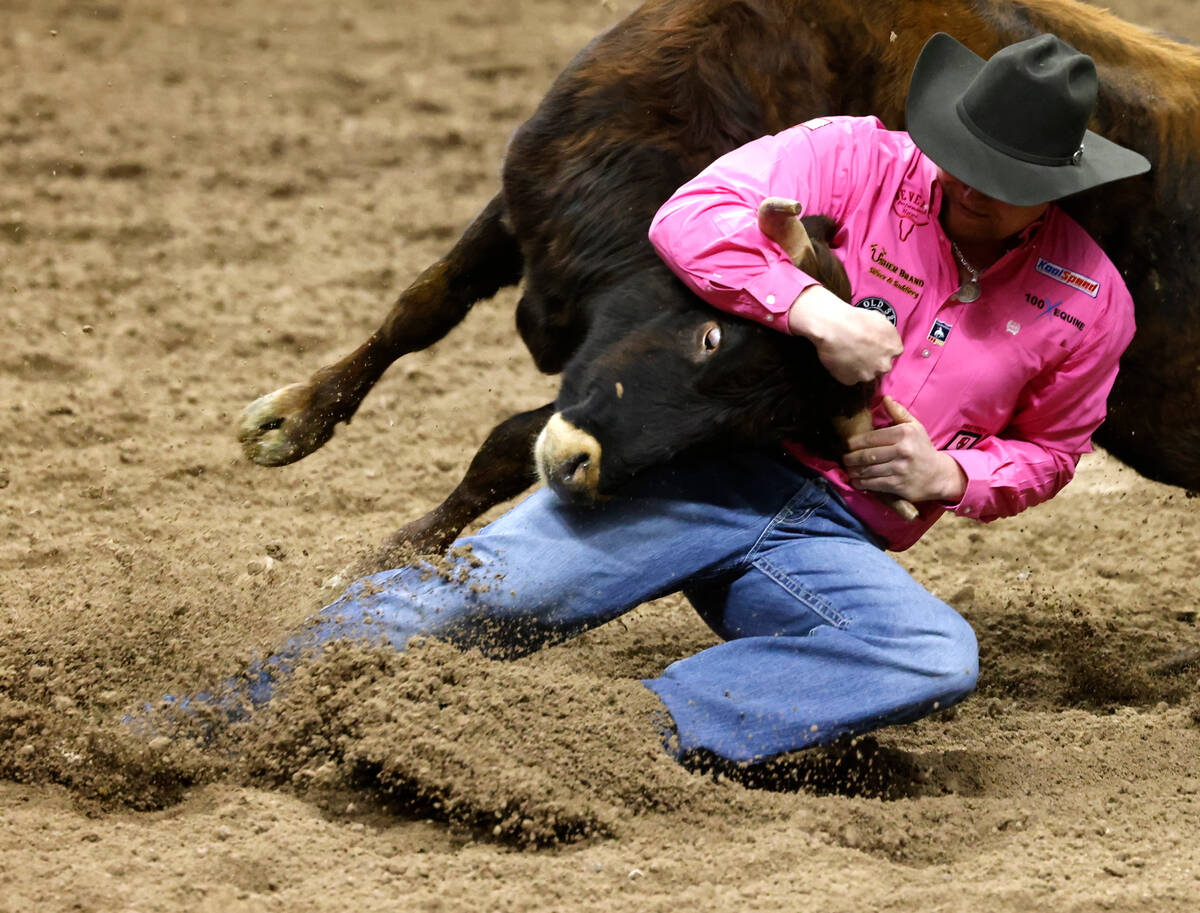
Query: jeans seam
x=814 y=602
x=787 y=512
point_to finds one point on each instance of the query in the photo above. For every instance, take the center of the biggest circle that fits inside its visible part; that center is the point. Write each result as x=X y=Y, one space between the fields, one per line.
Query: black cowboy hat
x=1013 y=127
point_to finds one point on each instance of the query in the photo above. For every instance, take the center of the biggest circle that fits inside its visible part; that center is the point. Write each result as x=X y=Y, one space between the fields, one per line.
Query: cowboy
x=994 y=325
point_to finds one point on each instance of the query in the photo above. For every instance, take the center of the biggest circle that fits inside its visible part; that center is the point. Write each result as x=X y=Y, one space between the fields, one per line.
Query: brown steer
x=679 y=82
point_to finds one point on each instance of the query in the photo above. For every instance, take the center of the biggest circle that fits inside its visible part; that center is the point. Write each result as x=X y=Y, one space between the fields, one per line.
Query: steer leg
x=502 y=469
x=292 y=422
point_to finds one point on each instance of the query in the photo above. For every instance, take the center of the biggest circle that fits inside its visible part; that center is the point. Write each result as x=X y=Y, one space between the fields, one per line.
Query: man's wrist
x=955 y=480
x=803 y=317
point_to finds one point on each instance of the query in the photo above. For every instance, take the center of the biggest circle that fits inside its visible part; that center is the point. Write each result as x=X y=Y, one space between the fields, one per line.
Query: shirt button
x=924 y=353
x=770 y=299
x=966 y=510
x=770 y=318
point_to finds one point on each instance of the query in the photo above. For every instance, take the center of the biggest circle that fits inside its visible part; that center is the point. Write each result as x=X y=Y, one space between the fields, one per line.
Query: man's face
x=971 y=217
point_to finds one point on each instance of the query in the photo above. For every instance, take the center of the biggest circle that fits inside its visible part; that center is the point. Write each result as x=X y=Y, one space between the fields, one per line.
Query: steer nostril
x=569 y=478
x=574 y=471
x=568 y=461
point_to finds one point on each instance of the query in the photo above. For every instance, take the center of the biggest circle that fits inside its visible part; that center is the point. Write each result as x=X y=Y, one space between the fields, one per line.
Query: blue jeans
x=824 y=634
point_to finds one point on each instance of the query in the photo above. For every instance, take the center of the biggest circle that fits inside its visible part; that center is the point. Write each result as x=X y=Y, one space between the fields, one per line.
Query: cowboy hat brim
x=945 y=68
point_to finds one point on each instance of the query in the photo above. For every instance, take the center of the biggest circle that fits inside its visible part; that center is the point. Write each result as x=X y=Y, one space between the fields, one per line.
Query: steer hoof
x=279 y=428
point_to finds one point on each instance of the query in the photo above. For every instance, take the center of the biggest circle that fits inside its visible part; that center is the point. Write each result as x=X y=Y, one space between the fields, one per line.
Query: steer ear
x=778 y=220
x=826 y=268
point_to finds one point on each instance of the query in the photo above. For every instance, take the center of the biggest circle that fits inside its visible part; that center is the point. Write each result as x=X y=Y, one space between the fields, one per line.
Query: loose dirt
x=204 y=201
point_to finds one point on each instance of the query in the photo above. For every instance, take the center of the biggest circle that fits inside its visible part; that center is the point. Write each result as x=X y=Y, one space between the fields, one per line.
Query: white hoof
x=263 y=427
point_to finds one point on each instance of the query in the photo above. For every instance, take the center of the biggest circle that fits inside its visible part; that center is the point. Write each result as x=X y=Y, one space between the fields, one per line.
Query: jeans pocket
x=814 y=602
x=806 y=501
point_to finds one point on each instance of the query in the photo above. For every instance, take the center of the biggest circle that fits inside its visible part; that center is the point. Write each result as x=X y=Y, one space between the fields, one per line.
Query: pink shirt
x=1012 y=385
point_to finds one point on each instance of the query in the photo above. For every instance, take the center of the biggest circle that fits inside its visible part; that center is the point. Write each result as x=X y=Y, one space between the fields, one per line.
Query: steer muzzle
x=568 y=460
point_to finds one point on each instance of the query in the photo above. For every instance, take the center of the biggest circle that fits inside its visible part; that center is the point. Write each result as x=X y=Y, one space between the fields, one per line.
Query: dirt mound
x=499 y=747
x=1064 y=658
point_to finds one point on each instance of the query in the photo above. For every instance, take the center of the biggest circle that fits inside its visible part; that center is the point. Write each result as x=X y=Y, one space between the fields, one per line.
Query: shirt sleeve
x=1036 y=455
x=708 y=234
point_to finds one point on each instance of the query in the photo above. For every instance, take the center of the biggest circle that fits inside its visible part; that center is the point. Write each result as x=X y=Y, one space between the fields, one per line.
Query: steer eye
x=711 y=339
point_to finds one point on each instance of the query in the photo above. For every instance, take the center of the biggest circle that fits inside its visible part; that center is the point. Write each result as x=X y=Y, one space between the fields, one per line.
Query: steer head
x=661 y=372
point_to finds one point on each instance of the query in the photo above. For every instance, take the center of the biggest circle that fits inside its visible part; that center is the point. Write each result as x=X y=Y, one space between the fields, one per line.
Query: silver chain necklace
x=969 y=290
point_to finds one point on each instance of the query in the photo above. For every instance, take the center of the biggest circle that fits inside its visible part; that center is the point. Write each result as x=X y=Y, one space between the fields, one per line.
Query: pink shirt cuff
x=775 y=290
x=977 y=495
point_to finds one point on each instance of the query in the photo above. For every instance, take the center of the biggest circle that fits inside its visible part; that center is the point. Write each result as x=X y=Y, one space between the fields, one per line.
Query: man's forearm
x=854 y=345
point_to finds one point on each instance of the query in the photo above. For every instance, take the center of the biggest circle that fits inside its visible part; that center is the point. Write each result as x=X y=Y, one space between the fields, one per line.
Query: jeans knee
x=960 y=658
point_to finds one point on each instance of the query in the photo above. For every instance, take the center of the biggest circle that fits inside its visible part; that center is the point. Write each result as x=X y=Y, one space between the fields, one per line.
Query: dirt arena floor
x=202 y=201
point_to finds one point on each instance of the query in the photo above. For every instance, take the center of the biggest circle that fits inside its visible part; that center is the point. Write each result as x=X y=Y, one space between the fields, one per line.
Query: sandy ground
x=203 y=201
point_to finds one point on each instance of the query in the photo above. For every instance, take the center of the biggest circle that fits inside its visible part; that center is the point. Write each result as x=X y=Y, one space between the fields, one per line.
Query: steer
x=661 y=372
x=679 y=82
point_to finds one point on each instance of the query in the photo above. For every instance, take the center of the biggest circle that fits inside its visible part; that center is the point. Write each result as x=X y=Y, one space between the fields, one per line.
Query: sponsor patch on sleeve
x=964 y=439
x=816 y=123
x=1085 y=284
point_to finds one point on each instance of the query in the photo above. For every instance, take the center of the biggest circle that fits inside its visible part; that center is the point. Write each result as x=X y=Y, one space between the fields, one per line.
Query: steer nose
x=568 y=461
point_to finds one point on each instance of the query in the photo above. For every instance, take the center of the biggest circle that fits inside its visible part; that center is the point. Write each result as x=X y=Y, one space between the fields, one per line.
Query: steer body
x=676 y=84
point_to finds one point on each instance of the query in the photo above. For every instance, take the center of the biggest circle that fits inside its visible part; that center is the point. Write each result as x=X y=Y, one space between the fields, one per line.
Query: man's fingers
x=898 y=413
x=868 y=456
x=877 y=478
x=891 y=336
x=876 y=439
x=853 y=374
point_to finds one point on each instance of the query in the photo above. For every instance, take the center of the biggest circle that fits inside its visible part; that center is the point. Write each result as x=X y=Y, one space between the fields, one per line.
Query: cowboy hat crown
x=1014 y=127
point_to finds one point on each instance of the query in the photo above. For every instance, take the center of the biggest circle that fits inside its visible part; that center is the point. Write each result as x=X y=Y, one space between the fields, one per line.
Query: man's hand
x=901 y=460
x=854 y=345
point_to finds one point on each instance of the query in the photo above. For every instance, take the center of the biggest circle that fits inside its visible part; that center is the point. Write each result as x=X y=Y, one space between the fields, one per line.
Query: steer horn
x=779 y=220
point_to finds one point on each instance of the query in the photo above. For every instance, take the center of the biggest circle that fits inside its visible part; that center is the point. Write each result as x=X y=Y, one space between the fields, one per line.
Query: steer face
x=661 y=373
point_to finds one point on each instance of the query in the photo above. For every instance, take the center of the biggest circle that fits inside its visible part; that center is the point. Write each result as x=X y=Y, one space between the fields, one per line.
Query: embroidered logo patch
x=893 y=273
x=1056 y=310
x=964 y=440
x=910 y=205
x=1069 y=277
x=1013 y=327
x=939 y=332
x=880 y=305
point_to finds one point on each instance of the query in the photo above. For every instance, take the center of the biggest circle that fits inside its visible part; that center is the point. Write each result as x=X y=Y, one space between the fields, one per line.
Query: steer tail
x=292 y=422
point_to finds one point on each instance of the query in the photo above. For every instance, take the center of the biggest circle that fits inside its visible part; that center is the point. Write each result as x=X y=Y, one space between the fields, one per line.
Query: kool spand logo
x=1069 y=277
